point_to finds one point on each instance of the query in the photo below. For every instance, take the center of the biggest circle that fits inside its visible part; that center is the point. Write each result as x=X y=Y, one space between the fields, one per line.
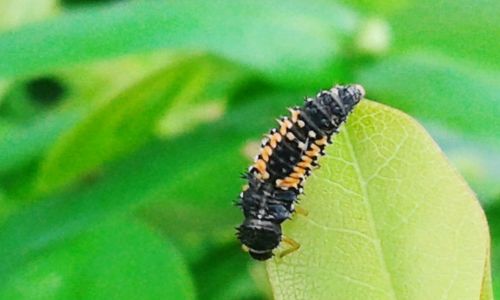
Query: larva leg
x=293 y=246
x=301 y=211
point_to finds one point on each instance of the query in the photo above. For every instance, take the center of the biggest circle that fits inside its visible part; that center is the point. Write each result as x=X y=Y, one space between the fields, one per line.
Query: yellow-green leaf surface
x=389 y=218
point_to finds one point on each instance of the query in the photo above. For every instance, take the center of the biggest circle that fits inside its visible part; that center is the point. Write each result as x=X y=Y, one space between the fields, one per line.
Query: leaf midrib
x=371 y=220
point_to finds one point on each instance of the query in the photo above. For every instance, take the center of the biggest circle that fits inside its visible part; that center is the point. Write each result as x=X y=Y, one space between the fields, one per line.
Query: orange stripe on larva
x=297 y=175
x=322 y=141
x=272 y=141
x=268 y=150
x=264 y=156
x=265 y=153
x=290 y=179
x=260 y=165
x=305 y=165
x=306 y=159
x=285 y=124
x=298 y=170
x=287 y=182
x=290 y=182
x=315 y=147
x=312 y=153
x=315 y=151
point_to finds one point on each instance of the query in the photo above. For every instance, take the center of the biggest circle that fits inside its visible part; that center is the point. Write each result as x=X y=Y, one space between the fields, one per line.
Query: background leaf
x=430 y=87
x=26 y=141
x=389 y=219
x=15 y=13
x=117 y=260
x=477 y=161
x=492 y=212
x=205 y=155
x=128 y=120
x=265 y=35
x=461 y=29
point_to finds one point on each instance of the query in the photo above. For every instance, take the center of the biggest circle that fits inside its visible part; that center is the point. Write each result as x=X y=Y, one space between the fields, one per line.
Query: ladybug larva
x=286 y=158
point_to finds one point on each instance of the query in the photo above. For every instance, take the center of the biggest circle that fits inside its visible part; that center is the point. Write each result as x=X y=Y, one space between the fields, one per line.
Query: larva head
x=260 y=236
x=350 y=95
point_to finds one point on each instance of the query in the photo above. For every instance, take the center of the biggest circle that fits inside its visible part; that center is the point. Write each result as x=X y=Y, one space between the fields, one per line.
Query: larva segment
x=301 y=169
x=274 y=139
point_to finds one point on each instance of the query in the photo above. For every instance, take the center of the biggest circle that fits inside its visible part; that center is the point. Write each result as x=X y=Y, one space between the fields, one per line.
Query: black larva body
x=285 y=160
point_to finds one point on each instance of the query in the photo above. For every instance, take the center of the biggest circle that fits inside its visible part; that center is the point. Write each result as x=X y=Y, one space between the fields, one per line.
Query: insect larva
x=285 y=160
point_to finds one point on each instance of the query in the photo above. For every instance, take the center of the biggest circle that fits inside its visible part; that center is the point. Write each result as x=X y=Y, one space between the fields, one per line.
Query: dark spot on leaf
x=45 y=90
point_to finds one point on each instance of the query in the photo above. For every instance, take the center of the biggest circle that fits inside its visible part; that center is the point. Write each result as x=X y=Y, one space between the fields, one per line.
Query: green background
x=124 y=126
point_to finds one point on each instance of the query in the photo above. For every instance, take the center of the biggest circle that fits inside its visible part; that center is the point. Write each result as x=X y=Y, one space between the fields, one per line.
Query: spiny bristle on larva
x=294 y=114
x=283 y=128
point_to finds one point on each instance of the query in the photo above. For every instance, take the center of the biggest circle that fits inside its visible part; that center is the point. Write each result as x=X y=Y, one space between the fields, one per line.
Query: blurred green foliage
x=125 y=124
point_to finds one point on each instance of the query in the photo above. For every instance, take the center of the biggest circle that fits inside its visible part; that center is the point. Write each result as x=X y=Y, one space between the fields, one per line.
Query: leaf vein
x=365 y=193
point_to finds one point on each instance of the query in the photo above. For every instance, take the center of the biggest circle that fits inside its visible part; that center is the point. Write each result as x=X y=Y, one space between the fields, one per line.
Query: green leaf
x=389 y=218
x=14 y=13
x=287 y=42
x=462 y=29
x=127 y=121
x=120 y=260
x=383 y=7
x=22 y=144
x=228 y=278
x=25 y=143
x=439 y=90
x=493 y=215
